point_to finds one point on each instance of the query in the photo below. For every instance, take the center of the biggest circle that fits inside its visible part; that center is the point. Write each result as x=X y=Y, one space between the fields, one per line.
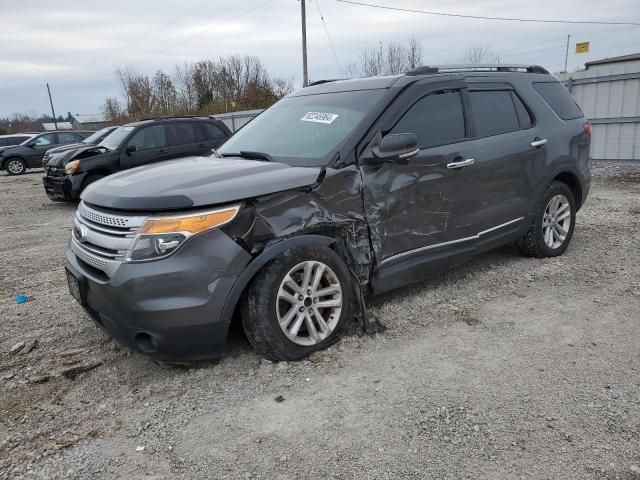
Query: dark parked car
x=129 y=146
x=67 y=151
x=16 y=160
x=340 y=191
x=14 y=139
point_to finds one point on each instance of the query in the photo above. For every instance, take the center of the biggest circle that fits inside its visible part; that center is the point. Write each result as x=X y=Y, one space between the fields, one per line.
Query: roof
x=61 y=126
x=622 y=58
x=402 y=79
x=8 y=135
x=91 y=118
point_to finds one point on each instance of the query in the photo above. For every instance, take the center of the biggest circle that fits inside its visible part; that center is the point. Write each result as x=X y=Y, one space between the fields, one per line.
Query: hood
x=59 y=157
x=64 y=148
x=195 y=182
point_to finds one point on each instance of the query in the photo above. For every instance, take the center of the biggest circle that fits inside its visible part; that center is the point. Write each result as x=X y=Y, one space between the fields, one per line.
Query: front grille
x=102 y=239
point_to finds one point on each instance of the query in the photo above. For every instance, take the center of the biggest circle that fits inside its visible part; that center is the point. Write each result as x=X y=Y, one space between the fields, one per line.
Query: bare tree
x=141 y=101
x=480 y=54
x=236 y=82
x=114 y=111
x=164 y=93
x=387 y=59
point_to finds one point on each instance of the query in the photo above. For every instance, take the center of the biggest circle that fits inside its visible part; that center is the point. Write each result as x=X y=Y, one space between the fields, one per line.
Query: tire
x=535 y=242
x=15 y=166
x=264 y=304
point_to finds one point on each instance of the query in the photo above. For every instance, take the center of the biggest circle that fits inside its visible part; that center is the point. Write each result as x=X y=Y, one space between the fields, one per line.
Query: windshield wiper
x=251 y=155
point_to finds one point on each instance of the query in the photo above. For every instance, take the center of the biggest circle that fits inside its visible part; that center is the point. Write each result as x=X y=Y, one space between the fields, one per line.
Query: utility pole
x=55 y=122
x=305 y=72
x=566 y=56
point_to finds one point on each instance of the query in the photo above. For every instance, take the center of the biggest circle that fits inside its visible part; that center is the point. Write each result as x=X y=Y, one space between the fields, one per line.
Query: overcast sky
x=76 y=46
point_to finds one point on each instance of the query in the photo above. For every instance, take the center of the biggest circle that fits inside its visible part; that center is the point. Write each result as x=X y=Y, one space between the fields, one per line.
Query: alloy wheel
x=309 y=303
x=15 y=166
x=556 y=221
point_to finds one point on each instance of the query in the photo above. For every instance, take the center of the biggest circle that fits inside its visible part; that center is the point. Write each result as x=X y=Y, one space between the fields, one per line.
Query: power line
x=481 y=17
x=207 y=30
x=582 y=34
x=148 y=34
x=335 y=55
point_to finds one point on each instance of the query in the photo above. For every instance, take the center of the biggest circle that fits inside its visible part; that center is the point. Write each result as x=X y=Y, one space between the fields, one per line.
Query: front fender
x=261 y=260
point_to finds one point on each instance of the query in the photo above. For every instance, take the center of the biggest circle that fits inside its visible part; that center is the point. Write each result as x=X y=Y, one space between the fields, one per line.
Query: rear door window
x=437 y=119
x=149 y=137
x=181 y=133
x=559 y=99
x=493 y=112
x=66 y=137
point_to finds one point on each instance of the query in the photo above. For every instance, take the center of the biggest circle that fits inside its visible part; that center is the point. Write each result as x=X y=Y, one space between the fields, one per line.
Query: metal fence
x=236 y=120
x=609 y=95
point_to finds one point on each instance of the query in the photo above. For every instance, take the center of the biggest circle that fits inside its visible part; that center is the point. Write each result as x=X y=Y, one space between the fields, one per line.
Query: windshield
x=27 y=139
x=306 y=130
x=115 y=139
x=96 y=136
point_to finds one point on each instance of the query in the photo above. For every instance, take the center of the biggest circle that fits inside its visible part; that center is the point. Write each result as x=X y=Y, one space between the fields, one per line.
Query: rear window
x=494 y=112
x=215 y=132
x=559 y=99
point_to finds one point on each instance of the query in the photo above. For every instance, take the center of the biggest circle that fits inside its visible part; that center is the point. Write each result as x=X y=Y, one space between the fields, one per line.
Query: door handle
x=460 y=164
x=163 y=151
x=539 y=142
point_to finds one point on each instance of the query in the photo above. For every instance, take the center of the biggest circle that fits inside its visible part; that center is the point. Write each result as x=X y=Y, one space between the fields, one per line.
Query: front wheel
x=552 y=227
x=298 y=303
x=15 y=166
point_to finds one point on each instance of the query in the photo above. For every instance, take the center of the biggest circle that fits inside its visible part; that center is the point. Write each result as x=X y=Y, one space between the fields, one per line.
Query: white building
x=608 y=91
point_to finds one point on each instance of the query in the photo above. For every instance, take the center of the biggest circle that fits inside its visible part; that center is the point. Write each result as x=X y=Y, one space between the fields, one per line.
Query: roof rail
x=482 y=67
x=170 y=117
x=320 y=82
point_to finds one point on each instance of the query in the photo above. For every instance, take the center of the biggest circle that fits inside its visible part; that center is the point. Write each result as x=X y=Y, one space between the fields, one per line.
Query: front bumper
x=62 y=187
x=169 y=309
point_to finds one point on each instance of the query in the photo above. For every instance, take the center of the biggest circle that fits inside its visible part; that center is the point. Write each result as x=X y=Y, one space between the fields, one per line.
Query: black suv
x=129 y=146
x=339 y=191
x=16 y=160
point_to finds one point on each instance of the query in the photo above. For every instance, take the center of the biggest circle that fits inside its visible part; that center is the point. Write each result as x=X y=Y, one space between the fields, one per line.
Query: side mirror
x=130 y=149
x=31 y=145
x=396 y=147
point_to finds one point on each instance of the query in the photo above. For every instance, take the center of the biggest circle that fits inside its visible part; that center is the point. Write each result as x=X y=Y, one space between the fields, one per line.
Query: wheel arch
x=268 y=254
x=570 y=179
x=6 y=159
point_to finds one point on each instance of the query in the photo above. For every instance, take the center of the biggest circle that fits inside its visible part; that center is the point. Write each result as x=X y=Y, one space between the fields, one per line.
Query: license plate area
x=76 y=287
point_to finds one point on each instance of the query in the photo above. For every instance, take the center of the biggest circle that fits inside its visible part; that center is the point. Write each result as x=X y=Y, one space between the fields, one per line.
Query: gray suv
x=340 y=191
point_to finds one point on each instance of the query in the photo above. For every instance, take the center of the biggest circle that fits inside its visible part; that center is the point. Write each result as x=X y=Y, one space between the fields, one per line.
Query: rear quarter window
x=559 y=99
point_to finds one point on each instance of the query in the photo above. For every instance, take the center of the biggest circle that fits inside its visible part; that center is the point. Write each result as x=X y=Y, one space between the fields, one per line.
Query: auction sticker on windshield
x=320 y=117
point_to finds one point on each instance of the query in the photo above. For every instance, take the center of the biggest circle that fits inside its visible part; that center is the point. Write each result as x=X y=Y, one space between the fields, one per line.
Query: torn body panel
x=334 y=207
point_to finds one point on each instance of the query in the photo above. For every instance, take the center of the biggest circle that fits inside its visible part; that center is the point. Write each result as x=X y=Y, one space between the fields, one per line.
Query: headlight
x=71 y=167
x=161 y=236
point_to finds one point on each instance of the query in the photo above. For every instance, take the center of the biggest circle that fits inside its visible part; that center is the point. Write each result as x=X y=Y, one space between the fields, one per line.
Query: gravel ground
x=504 y=368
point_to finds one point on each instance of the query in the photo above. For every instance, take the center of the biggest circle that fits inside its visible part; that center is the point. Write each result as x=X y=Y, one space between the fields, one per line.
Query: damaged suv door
x=422 y=209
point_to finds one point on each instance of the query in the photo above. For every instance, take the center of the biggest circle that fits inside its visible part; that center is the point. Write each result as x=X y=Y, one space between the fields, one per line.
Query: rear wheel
x=15 y=166
x=552 y=227
x=299 y=303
